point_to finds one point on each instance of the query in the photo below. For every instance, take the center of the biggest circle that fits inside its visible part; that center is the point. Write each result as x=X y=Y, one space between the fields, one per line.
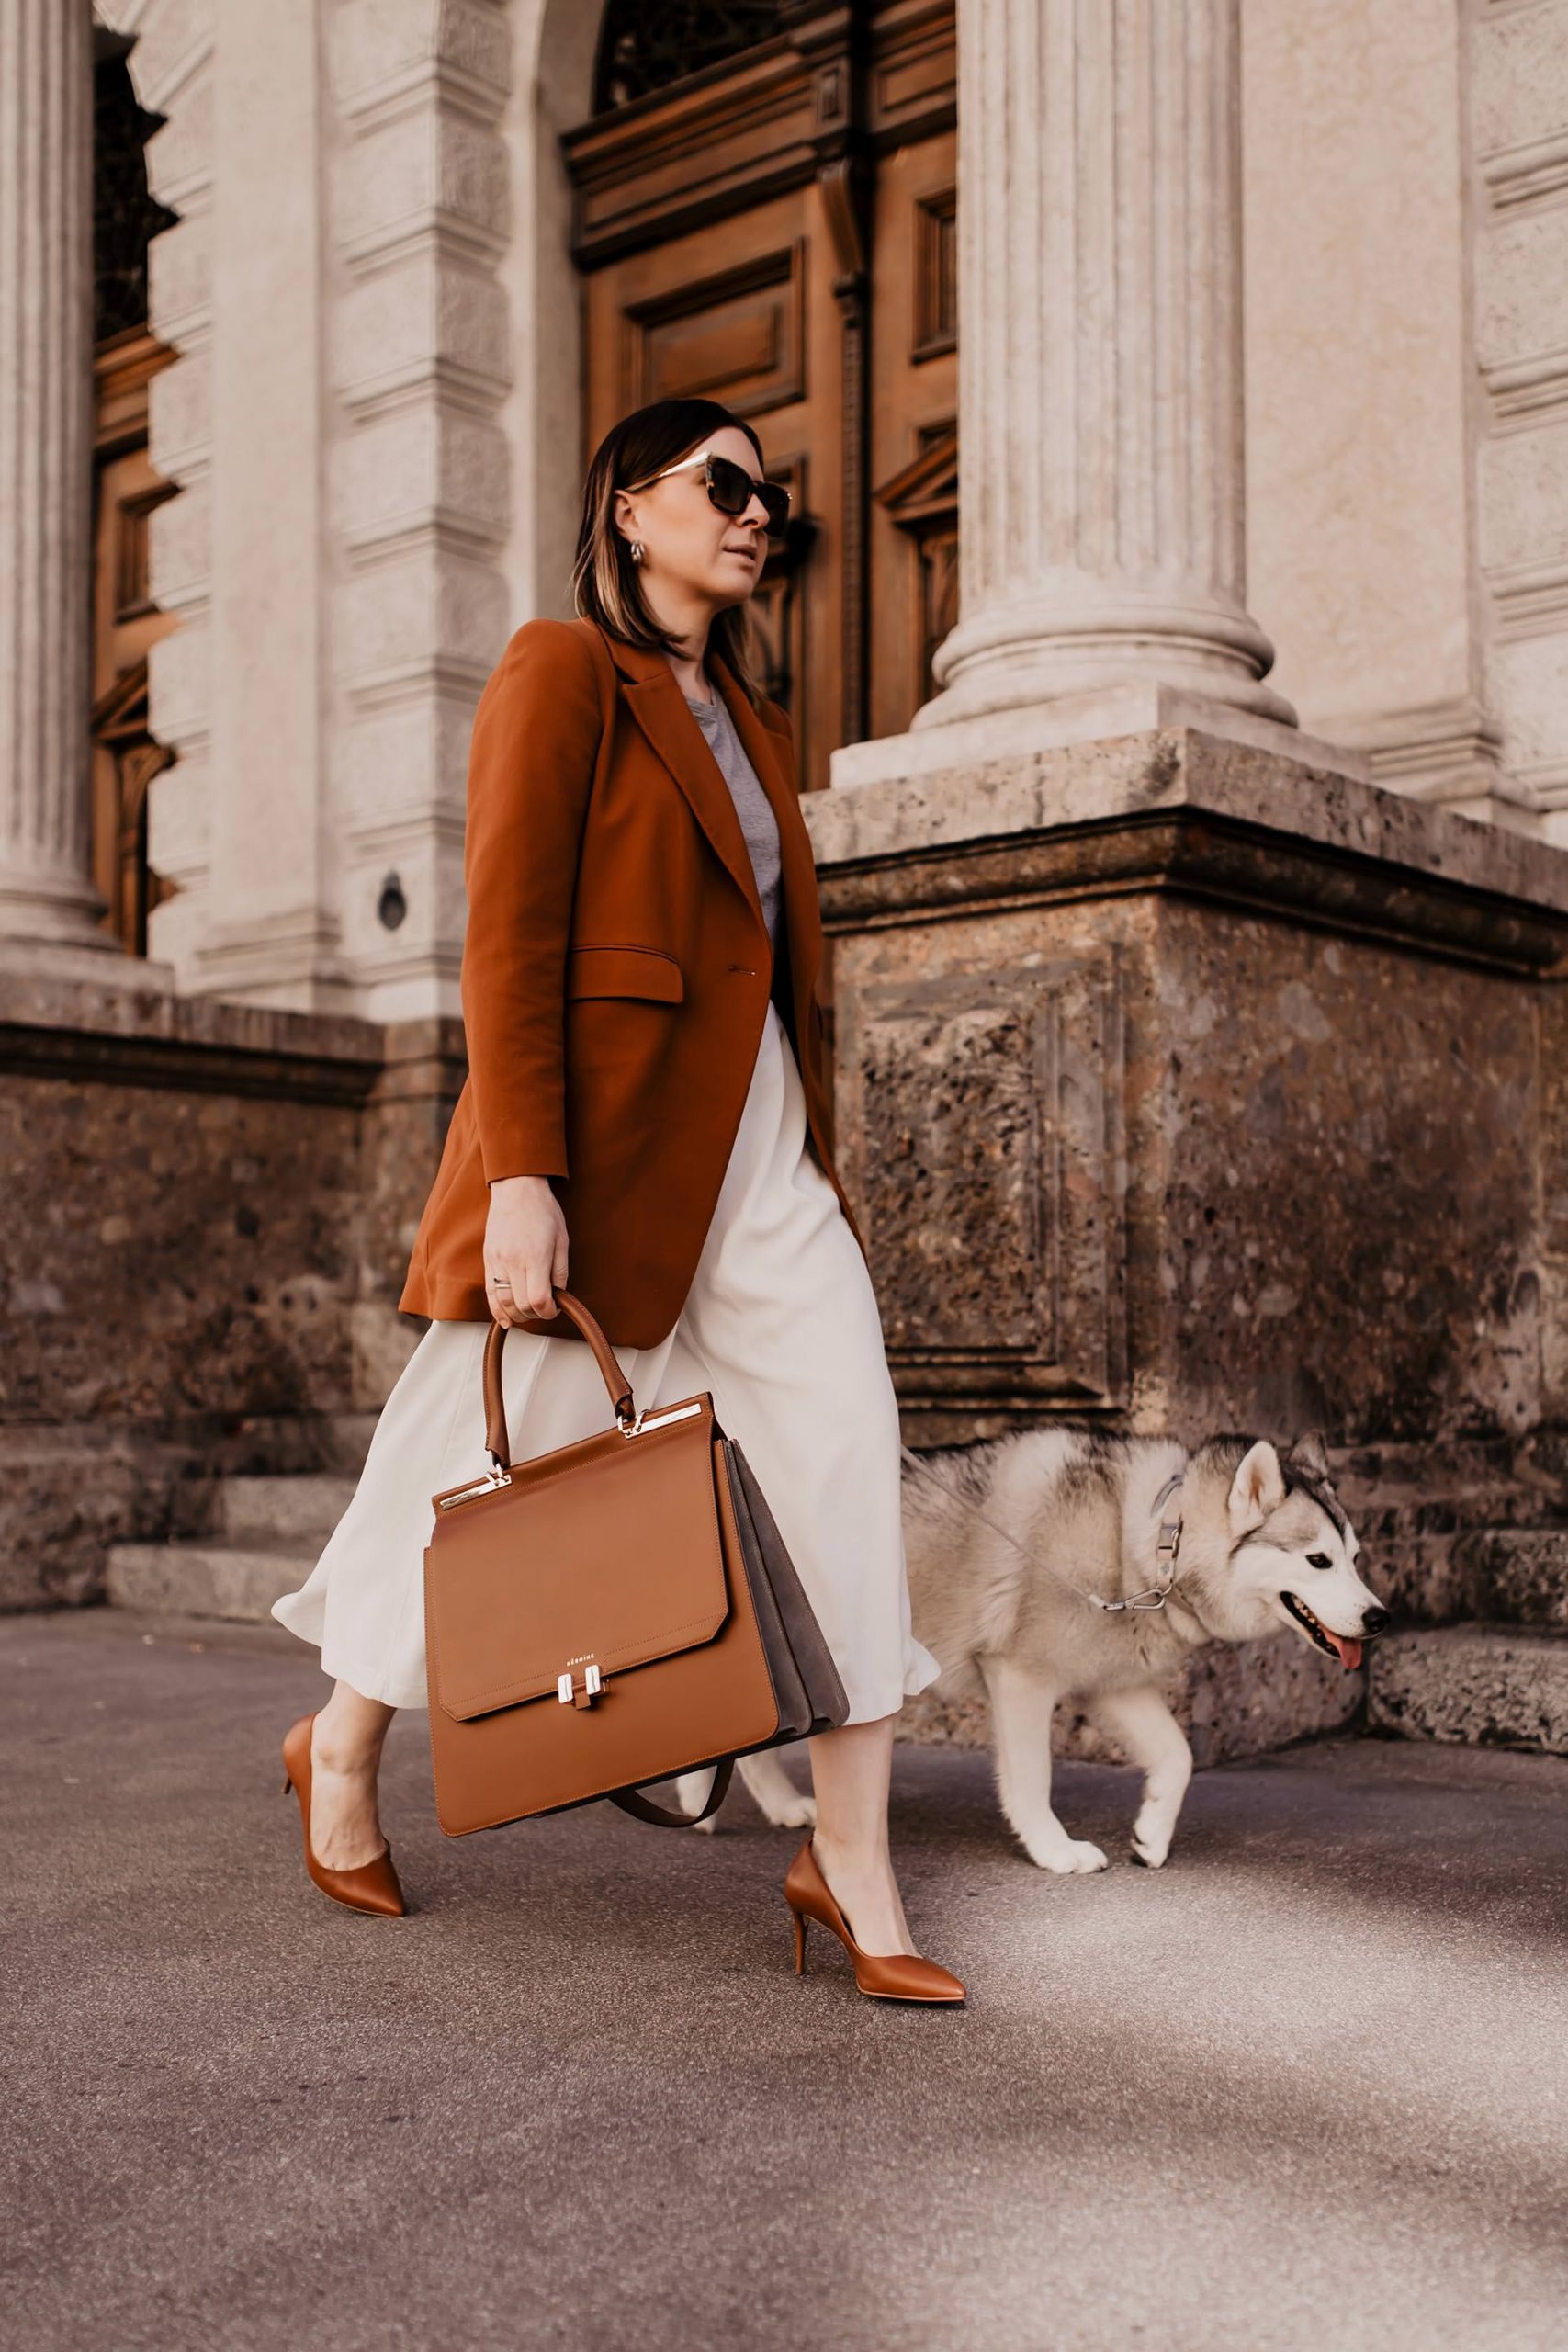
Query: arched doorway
x=764 y=207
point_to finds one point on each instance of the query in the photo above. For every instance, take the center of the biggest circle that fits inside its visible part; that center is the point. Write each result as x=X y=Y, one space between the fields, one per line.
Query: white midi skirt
x=781 y=1324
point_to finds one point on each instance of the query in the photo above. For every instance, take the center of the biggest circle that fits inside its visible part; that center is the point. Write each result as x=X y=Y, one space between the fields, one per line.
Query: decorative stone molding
x=1519 y=129
x=1527 y=391
x=1522 y=295
x=1531 y=669
x=1521 y=177
x=1532 y=598
x=1518 y=102
x=421 y=358
x=1446 y=751
x=1544 y=786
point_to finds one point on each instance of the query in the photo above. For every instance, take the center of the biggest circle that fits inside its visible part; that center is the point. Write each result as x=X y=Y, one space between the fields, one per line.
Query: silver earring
x=638 y=551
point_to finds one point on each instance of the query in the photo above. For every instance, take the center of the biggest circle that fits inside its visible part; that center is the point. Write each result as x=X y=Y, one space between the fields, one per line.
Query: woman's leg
x=781 y=1324
x=850 y=1770
x=345 y=1756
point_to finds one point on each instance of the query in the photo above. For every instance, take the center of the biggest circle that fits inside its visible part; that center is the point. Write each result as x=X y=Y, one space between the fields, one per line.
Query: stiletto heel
x=883 y=1976
x=370 y=1886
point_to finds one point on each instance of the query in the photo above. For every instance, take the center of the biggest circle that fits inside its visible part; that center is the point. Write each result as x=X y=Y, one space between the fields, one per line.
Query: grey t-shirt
x=753 y=805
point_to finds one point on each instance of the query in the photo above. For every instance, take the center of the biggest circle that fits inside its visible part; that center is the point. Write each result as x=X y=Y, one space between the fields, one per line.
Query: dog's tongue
x=1349 y=1651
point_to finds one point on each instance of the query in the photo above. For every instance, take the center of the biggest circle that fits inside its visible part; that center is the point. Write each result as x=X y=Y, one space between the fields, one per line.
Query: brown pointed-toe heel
x=883 y=1976
x=370 y=1886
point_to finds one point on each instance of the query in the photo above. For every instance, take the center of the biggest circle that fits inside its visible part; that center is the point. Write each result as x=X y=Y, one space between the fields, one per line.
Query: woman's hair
x=605 y=584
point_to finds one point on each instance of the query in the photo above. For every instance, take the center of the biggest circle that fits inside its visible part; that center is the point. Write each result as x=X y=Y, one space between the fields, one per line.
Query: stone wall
x=208 y=1214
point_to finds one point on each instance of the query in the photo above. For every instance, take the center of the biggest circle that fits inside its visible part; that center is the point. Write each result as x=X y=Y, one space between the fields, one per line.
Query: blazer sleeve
x=536 y=745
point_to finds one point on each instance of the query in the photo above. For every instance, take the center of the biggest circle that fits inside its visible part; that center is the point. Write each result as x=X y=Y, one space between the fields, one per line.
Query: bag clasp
x=593 y=1688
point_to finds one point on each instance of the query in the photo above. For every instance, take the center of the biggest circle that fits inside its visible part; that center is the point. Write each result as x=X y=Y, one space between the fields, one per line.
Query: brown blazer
x=616 y=974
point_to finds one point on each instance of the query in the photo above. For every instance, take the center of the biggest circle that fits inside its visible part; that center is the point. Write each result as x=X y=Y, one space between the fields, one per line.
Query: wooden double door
x=772 y=225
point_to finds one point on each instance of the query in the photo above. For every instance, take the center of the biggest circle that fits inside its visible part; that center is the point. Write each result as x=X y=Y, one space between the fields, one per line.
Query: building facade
x=1259 y=385
x=1175 y=622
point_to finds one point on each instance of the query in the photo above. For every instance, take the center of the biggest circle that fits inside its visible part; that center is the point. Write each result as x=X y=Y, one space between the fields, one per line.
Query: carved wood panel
x=774 y=229
x=126 y=626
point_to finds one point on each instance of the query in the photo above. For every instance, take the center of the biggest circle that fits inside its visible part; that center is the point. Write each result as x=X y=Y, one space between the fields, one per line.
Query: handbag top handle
x=497 y=1443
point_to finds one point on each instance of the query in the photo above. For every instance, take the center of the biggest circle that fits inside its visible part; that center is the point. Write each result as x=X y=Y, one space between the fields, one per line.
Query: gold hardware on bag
x=493 y=1478
x=647 y=1420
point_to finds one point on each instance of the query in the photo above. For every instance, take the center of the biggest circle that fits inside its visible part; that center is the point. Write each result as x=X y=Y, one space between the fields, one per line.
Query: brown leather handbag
x=619 y=1611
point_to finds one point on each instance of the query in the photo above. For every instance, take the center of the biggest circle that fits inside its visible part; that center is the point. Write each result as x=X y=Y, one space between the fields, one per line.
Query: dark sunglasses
x=731 y=489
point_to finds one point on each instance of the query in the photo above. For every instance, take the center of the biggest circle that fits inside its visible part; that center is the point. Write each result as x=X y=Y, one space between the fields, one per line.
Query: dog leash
x=1167 y=1545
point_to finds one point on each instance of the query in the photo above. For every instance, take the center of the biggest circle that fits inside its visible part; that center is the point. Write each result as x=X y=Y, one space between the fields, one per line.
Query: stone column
x=46 y=459
x=1100 y=359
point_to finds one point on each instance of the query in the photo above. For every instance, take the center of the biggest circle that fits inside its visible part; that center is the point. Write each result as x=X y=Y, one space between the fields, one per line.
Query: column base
x=53 y=907
x=1087 y=636
x=1097 y=715
x=289 y=959
x=104 y=964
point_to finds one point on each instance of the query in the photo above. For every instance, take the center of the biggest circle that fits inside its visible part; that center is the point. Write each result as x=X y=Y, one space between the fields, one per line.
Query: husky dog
x=1251 y=1541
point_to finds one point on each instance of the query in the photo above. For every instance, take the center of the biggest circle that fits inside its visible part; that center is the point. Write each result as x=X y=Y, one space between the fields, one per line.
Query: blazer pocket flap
x=624 y=971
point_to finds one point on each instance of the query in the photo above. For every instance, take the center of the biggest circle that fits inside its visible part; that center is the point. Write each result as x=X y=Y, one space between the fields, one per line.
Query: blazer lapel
x=653 y=695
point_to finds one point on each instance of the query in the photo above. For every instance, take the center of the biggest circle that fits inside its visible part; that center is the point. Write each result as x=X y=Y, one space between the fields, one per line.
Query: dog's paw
x=1077 y=1859
x=1152 y=1833
x=797 y=1813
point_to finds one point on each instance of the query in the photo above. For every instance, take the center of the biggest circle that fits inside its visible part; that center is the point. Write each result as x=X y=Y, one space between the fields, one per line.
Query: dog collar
x=1167 y=1545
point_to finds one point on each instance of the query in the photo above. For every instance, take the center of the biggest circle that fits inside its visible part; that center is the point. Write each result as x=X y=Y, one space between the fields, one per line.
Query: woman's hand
x=525 y=1246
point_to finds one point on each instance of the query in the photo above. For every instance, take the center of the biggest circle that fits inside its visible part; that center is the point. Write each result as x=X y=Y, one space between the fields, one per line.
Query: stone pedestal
x=1189 y=1088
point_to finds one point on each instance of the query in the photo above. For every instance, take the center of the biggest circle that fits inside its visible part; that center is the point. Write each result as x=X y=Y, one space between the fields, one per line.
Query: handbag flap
x=606 y=1553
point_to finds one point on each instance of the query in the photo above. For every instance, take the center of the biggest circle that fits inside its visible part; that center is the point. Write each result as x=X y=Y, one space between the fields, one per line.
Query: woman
x=644 y=1122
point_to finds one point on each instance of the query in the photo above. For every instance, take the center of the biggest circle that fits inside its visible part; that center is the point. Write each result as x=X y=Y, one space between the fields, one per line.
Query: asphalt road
x=1306 y=2088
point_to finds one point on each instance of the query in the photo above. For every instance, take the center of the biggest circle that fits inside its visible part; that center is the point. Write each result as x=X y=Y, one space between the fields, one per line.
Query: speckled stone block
x=233 y=1581
x=209 y=1207
x=1521 y=1574
x=1474 y=1685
